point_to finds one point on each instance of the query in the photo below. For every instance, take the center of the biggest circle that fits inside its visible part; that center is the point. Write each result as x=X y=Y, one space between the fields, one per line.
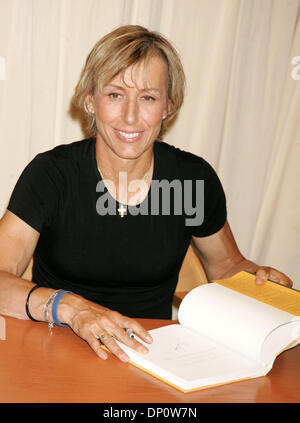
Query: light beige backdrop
x=241 y=112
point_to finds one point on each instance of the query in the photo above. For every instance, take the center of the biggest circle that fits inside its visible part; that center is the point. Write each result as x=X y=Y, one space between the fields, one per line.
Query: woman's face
x=130 y=109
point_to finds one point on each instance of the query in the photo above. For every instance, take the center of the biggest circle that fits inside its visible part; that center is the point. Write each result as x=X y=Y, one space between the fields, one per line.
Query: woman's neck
x=122 y=172
x=110 y=165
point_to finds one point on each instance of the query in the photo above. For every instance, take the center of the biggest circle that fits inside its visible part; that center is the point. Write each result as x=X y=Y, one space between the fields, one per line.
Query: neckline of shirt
x=154 y=175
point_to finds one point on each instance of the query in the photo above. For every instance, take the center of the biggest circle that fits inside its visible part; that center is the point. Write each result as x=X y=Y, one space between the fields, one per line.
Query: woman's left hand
x=264 y=273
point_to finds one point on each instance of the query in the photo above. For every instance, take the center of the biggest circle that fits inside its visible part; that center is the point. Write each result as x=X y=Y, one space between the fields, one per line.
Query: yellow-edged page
x=271 y=293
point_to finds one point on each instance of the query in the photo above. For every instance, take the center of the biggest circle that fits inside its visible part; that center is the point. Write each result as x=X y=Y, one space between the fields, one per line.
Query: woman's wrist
x=69 y=305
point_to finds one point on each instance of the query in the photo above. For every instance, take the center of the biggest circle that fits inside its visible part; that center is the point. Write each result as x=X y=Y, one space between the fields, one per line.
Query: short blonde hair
x=114 y=53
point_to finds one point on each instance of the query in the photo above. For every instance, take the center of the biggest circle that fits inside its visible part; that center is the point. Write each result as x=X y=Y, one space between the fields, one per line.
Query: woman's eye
x=148 y=98
x=114 y=96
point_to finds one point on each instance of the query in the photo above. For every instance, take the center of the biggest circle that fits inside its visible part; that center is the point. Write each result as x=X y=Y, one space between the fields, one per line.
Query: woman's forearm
x=14 y=292
x=13 y=295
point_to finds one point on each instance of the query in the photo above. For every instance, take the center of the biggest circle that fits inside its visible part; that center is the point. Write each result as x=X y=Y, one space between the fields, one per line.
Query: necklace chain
x=146 y=175
x=123 y=208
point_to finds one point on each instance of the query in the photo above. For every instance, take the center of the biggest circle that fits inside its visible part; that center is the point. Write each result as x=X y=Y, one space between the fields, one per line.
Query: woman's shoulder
x=60 y=162
x=188 y=163
x=72 y=151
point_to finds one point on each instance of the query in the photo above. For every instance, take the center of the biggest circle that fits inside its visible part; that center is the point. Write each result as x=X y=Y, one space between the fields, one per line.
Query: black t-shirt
x=128 y=264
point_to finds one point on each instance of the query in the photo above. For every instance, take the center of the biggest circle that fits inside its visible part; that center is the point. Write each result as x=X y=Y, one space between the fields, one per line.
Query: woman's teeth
x=129 y=136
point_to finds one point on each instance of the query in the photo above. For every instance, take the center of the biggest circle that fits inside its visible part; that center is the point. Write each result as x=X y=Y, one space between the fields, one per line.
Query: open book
x=228 y=330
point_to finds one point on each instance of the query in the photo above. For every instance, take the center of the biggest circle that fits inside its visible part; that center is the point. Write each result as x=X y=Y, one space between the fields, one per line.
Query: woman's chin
x=131 y=151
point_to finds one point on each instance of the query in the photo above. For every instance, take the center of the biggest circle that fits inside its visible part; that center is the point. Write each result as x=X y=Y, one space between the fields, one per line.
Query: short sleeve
x=210 y=198
x=35 y=198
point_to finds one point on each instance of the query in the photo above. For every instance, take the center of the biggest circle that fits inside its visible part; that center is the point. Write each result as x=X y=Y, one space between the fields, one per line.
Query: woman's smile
x=130 y=108
x=129 y=137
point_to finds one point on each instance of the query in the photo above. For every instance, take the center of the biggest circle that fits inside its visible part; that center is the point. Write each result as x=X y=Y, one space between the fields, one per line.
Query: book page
x=187 y=359
x=271 y=293
x=280 y=339
x=231 y=319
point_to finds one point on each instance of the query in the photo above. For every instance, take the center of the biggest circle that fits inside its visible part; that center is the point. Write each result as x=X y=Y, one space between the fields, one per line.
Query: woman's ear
x=169 y=108
x=89 y=104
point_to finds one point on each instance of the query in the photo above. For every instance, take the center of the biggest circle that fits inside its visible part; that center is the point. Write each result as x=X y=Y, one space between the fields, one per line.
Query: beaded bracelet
x=55 y=305
x=27 y=302
x=46 y=309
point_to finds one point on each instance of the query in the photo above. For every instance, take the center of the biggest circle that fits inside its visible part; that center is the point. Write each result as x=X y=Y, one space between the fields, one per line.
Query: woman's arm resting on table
x=221 y=259
x=88 y=320
x=17 y=243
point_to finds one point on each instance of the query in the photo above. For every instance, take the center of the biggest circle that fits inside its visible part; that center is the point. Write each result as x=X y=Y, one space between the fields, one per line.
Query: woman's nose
x=130 y=112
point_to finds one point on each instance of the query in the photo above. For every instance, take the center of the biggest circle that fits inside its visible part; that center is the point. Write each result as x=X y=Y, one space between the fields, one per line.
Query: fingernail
x=143 y=349
x=149 y=338
x=104 y=357
x=124 y=357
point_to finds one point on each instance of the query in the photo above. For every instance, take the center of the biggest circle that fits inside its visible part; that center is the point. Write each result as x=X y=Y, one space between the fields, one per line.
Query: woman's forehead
x=143 y=75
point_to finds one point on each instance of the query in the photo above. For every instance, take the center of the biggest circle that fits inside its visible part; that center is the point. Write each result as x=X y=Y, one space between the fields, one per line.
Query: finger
x=281 y=278
x=129 y=332
x=112 y=346
x=95 y=344
x=121 y=335
x=114 y=320
x=262 y=275
x=265 y=273
x=138 y=330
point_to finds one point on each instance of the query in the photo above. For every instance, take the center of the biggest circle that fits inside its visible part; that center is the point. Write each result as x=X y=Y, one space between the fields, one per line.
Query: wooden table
x=36 y=366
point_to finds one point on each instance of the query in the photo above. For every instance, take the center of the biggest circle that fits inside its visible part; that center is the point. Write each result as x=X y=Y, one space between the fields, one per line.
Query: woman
x=107 y=246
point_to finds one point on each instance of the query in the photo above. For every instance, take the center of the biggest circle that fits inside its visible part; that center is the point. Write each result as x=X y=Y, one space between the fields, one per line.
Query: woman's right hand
x=90 y=321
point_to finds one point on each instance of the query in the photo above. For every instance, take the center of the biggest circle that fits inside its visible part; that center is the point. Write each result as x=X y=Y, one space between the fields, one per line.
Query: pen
x=129 y=332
